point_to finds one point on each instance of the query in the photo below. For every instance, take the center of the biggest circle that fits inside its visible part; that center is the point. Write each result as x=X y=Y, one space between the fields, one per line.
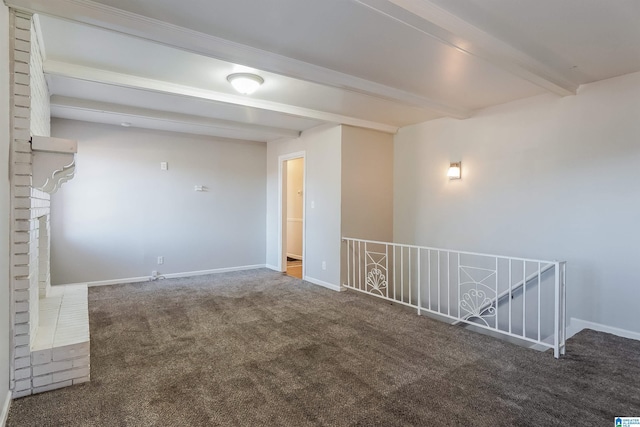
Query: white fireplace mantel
x=53 y=162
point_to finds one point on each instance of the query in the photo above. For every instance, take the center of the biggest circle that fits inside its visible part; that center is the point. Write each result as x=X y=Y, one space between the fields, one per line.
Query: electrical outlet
x=154 y=274
x=160 y=260
x=324 y=265
x=164 y=166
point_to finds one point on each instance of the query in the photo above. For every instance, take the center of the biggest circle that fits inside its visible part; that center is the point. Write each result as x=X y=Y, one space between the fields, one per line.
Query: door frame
x=282 y=207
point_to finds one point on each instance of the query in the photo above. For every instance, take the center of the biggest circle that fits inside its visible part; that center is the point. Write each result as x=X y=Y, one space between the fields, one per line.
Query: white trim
x=167 y=276
x=577 y=325
x=572 y=329
x=113 y=78
x=282 y=257
x=214 y=271
x=4 y=414
x=273 y=267
x=323 y=284
x=542 y=347
x=452 y=30
x=100 y=15
x=75 y=104
x=111 y=282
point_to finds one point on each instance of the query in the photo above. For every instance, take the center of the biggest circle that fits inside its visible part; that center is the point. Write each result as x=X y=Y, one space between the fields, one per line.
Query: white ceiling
x=379 y=64
x=593 y=39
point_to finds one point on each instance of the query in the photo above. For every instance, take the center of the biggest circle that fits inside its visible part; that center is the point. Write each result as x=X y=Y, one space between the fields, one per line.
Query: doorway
x=292 y=215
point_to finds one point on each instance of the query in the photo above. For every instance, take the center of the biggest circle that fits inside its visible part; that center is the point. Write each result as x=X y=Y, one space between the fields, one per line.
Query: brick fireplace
x=50 y=326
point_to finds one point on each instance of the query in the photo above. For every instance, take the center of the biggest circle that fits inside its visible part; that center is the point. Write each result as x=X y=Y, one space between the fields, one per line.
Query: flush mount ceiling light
x=245 y=83
x=454 y=170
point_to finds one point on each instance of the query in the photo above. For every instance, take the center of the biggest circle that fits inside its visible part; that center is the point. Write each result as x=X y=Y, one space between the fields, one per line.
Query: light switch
x=164 y=166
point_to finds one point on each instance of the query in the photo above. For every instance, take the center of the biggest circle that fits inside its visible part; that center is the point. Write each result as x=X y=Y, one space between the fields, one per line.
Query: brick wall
x=62 y=361
x=39 y=209
x=40 y=105
x=21 y=172
x=39 y=124
x=44 y=256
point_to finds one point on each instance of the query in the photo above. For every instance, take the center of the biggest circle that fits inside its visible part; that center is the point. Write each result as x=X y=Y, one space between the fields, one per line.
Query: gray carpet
x=257 y=348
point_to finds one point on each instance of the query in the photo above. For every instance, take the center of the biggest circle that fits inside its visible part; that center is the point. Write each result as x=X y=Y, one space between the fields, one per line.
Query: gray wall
x=5 y=296
x=322 y=210
x=544 y=177
x=367 y=184
x=367 y=187
x=121 y=211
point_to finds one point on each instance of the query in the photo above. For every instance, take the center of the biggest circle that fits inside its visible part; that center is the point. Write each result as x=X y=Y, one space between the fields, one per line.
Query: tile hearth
x=60 y=351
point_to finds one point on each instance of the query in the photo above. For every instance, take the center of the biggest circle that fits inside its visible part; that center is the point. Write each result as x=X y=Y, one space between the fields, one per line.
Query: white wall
x=121 y=211
x=295 y=197
x=322 y=210
x=4 y=208
x=545 y=177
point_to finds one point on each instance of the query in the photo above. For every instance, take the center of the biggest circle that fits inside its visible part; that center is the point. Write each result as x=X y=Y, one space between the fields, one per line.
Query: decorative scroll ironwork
x=478 y=301
x=482 y=293
x=376 y=271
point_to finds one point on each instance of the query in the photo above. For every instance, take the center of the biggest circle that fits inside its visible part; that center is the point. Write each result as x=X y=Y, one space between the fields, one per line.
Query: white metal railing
x=516 y=297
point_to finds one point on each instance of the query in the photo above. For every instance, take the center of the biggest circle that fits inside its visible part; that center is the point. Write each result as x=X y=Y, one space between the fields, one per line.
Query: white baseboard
x=576 y=325
x=323 y=284
x=113 y=282
x=538 y=347
x=168 y=276
x=214 y=271
x=4 y=414
x=273 y=267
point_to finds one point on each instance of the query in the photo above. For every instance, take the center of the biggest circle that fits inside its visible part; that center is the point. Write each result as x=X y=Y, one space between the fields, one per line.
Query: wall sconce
x=455 y=170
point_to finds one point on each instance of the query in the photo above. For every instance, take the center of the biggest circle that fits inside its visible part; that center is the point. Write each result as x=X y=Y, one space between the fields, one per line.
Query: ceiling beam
x=432 y=20
x=135 y=82
x=166 y=116
x=97 y=14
